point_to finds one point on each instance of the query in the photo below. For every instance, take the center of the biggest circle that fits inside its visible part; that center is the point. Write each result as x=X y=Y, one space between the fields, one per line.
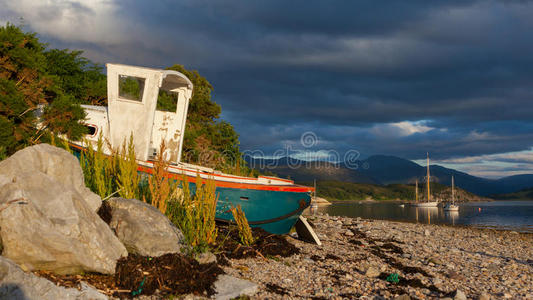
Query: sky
x=402 y=78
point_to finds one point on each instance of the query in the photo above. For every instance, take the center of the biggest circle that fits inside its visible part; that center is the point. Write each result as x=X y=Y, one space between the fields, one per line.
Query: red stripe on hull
x=225 y=184
x=236 y=185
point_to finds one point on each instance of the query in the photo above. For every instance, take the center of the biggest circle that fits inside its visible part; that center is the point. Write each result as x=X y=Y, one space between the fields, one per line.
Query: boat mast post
x=427 y=153
x=453 y=192
x=416 y=190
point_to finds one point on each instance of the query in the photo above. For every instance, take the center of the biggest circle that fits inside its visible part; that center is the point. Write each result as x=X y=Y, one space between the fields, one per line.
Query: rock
x=47 y=224
x=459 y=295
x=348 y=233
x=484 y=296
x=403 y=297
x=435 y=261
x=57 y=163
x=17 y=284
x=372 y=272
x=454 y=275
x=143 y=229
x=426 y=232
x=437 y=281
x=228 y=287
x=205 y=258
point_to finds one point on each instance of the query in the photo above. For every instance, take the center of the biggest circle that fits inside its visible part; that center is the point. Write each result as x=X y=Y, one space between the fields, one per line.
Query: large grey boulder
x=19 y=285
x=55 y=162
x=45 y=223
x=143 y=229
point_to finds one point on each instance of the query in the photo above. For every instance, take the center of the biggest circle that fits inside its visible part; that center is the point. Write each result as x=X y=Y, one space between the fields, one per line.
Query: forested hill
x=338 y=190
x=33 y=74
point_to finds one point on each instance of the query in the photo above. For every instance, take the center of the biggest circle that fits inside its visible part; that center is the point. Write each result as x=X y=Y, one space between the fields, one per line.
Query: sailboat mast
x=416 y=189
x=453 y=192
x=427 y=153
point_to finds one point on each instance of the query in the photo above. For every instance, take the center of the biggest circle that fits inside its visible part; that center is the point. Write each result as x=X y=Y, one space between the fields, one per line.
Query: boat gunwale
x=222 y=183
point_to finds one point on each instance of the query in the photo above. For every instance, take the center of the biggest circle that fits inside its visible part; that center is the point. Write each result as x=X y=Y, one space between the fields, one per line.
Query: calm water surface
x=505 y=215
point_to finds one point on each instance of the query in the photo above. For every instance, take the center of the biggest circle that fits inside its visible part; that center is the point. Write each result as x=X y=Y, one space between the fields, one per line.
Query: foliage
x=194 y=213
x=31 y=76
x=78 y=76
x=99 y=169
x=160 y=185
x=245 y=232
x=128 y=178
x=339 y=190
x=524 y=194
x=131 y=87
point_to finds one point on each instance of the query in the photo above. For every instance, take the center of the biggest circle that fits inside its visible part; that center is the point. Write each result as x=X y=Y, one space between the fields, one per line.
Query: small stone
x=453 y=275
x=427 y=233
x=349 y=277
x=435 y=260
x=459 y=295
x=484 y=296
x=205 y=258
x=348 y=233
x=372 y=272
x=403 y=297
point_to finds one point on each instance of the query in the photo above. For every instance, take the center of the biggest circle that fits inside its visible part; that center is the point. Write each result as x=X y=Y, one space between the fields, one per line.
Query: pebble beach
x=371 y=259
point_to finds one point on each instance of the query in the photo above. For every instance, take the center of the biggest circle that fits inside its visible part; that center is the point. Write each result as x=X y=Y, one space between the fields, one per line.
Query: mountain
x=384 y=170
x=302 y=171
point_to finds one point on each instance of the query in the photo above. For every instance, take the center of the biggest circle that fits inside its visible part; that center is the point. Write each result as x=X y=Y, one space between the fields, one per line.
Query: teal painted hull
x=274 y=211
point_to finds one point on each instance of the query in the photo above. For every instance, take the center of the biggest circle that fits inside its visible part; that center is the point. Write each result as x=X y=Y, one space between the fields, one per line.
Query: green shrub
x=194 y=213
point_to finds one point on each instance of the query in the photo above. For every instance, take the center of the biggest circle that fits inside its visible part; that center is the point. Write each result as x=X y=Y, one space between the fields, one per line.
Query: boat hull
x=273 y=211
x=426 y=204
x=451 y=207
x=273 y=208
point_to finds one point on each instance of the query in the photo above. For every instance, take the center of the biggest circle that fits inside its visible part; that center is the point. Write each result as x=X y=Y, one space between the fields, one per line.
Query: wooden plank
x=306 y=232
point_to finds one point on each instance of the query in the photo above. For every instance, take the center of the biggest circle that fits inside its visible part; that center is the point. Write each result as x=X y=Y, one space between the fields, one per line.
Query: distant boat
x=428 y=203
x=452 y=206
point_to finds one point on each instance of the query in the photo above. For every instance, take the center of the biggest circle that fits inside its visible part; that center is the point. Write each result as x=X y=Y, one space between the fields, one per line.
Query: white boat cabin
x=132 y=94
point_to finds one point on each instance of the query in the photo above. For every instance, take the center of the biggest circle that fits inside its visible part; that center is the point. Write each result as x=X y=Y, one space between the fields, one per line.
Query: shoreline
x=431 y=261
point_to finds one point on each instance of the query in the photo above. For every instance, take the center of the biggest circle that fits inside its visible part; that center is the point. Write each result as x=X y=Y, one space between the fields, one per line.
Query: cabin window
x=130 y=88
x=167 y=101
x=91 y=130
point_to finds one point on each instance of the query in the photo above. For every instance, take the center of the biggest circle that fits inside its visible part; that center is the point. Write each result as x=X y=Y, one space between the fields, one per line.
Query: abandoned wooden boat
x=273 y=204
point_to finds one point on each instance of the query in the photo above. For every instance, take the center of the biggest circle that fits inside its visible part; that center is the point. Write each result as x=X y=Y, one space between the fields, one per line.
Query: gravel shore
x=361 y=259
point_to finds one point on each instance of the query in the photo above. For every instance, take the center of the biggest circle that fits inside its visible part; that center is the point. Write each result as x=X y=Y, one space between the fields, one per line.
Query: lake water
x=505 y=215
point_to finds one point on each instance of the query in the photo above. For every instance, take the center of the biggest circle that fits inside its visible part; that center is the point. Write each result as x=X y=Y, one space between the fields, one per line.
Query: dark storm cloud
x=347 y=70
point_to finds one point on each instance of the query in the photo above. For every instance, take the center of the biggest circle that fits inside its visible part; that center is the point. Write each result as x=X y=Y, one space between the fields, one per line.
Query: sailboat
x=452 y=206
x=427 y=203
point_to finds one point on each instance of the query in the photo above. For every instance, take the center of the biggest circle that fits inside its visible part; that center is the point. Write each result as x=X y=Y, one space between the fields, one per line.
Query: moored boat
x=271 y=203
x=452 y=206
x=427 y=203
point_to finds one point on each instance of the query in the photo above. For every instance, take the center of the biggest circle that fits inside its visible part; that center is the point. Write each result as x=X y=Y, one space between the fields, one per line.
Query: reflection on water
x=512 y=215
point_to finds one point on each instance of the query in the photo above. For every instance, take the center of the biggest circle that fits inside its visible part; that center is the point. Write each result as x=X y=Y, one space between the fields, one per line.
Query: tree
x=31 y=76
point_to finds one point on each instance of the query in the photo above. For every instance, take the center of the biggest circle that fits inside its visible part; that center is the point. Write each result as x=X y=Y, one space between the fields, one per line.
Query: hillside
x=386 y=170
x=525 y=194
x=338 y=190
